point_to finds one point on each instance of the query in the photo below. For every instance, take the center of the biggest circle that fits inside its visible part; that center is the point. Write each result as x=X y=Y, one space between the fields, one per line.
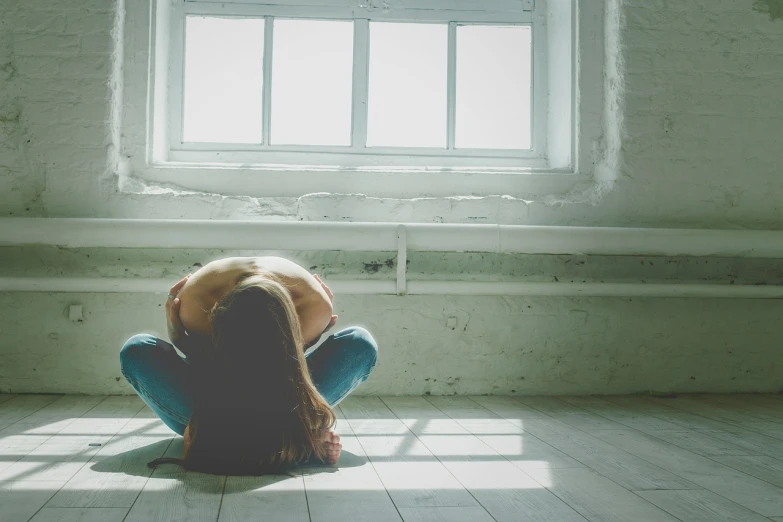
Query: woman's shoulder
x=205 y=287
x=221 y=275
x=300 y=282
x=278 y=266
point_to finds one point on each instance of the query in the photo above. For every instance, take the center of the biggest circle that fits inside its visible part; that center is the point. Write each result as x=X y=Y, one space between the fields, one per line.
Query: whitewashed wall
x=703 y=128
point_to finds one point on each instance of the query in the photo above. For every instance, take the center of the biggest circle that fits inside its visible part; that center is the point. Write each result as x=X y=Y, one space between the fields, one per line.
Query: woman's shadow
x=134 y=462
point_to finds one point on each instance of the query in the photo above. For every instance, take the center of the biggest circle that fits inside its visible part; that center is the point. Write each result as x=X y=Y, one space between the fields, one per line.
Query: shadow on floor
x=134 y=462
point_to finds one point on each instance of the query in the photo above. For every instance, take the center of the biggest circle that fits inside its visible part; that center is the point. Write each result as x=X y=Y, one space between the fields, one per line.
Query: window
x=444 y=83
x=387 y=98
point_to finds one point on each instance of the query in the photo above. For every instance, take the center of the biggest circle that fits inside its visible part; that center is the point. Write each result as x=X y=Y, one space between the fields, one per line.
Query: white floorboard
x=80 y=515
x=414 y=459
x=700 y=506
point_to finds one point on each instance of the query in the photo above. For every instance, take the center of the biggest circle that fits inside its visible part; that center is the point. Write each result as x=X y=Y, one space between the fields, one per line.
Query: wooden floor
x=692 y=458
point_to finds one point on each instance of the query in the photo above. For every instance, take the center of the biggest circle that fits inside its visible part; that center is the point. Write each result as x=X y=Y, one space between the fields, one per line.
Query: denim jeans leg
x=160 y=377
x=342 y=362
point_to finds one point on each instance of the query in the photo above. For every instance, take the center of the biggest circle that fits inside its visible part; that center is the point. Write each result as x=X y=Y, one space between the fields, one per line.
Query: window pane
x=312 y=71
x=407 y=85
x=223 y=80
x=493 y=87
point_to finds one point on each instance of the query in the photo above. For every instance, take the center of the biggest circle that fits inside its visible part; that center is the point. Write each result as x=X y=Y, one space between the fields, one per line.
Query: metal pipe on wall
x=155 y=286
x=322 y=235
x=262 y=235
x=389 y=287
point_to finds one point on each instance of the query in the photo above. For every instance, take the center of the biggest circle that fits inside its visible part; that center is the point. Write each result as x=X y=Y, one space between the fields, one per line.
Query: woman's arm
x=321 y=314
x=192 y=344
x=315 y=317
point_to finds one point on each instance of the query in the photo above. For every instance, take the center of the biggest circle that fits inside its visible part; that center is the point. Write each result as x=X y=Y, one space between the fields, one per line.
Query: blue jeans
x=165 y=381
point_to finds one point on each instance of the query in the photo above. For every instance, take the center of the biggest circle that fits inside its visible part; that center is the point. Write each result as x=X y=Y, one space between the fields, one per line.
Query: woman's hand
x=177 y=334
x=332 y=446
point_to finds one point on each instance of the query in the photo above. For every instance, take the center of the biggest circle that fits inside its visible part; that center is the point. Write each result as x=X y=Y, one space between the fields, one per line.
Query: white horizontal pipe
x=156 y=286
x=596 y=289
x=322 y=235
x=389 y=287
x=197 y=233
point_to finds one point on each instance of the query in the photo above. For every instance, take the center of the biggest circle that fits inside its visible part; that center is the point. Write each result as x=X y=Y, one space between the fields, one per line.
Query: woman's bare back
x=210 y=283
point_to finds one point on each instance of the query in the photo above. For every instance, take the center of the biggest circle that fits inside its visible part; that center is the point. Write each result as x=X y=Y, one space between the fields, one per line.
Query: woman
x=246 y=398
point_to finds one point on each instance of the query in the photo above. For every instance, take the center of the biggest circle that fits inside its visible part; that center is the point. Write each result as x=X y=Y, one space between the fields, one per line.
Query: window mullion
x=267 y=89
x=361 y=54
x=176 y=80
x=451 y=96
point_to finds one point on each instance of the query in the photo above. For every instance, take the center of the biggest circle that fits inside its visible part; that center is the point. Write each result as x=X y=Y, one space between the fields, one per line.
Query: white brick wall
x=703 y=115
x=59 y=54
x=702 y=147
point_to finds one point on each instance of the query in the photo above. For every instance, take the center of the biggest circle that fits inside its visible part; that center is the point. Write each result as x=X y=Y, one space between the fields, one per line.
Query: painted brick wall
x=55 y=59
x=702 y=147
x=703 y=116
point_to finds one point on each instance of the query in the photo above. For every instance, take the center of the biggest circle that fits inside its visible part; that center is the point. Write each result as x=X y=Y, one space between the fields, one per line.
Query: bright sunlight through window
x=333 y=80
x=223 y=80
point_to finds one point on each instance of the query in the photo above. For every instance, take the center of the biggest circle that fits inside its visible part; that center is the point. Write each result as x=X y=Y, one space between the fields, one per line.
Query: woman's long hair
x=256 y=409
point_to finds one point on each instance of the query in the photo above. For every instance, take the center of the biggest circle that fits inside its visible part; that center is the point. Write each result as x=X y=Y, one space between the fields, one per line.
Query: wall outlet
x=75 y=313
x=451 y=322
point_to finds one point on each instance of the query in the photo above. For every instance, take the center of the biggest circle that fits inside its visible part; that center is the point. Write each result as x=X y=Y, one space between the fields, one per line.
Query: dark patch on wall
x=375 y=266
x=774 y=8
x=372 y=267
x=7 y=71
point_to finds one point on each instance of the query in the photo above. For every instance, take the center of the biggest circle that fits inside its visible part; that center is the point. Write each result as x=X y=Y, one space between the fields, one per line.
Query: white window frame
x=503 y=12
x=571 y=108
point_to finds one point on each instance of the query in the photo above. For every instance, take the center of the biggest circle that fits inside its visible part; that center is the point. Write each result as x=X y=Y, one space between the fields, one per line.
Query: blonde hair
x=256 y=408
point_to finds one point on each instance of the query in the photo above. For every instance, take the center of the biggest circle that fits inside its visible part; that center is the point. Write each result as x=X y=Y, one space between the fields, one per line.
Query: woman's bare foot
x=331 y=441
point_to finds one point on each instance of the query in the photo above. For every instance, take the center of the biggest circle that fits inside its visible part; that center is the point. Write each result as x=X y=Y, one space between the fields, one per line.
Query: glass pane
x=493 y=87
x=312 y=71
x=407 y=85
x=223 y=80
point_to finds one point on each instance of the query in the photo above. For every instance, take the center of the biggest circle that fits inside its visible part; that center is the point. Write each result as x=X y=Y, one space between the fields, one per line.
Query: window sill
x=261 y=181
